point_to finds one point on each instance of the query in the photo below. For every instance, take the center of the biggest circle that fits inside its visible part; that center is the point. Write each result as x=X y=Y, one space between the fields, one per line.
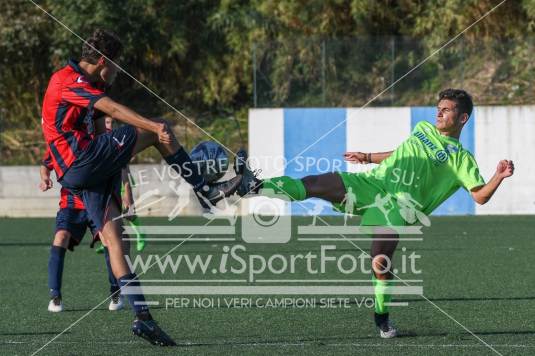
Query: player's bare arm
x=361 y=157
x=483 y=193
x=129 y=116
x=45 y=183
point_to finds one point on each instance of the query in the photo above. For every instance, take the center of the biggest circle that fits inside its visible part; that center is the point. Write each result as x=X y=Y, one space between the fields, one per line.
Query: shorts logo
x=120 y=143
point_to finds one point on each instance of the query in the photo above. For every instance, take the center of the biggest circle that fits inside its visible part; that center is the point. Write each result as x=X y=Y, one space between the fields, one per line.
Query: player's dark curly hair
x=461 y=98
x=107 y=42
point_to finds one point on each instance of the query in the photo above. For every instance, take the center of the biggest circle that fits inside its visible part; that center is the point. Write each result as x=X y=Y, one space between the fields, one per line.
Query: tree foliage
x=202 y=56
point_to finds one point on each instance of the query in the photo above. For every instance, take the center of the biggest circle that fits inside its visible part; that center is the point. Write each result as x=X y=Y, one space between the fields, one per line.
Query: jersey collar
x=446 y=138
x=74 y=64
x=449 y=138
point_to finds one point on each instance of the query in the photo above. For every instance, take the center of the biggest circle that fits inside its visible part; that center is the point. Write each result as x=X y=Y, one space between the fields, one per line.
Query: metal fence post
x=392 y=68
x=323 y=72
x=255 y=100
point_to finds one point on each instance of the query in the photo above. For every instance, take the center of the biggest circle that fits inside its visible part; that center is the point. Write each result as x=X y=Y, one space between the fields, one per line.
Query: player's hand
x=130 y=217
x=355 y=157
x=129 y=211
x=45 y=184
x=164 y=133
x=505 y=168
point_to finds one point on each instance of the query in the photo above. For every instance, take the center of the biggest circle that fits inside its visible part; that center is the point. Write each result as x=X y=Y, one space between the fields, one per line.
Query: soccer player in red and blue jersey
x=90 y=165
x=71 y=224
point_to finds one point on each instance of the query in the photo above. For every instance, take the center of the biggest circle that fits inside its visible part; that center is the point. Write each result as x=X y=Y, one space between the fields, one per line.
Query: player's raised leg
x=328 y=186
x=157 y=133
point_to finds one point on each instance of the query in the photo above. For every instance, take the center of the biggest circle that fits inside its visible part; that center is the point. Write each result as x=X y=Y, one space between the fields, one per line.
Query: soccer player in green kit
x=407 y=185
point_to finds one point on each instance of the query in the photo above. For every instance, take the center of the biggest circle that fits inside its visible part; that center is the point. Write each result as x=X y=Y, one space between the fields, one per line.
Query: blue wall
x=303 y=127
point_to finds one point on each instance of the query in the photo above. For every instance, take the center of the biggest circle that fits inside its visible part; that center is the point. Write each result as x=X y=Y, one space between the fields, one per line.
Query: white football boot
x=116 y=302
x=55 y=305
x=387 y=330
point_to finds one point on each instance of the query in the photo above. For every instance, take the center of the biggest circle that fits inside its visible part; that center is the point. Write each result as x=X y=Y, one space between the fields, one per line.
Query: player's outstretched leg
x=144 y=325
x=177 y=157
x=328 y=186
x=383 y=246
x=55 y=270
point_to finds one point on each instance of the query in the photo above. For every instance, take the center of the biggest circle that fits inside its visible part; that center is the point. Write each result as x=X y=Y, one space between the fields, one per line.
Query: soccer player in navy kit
x=71 y=224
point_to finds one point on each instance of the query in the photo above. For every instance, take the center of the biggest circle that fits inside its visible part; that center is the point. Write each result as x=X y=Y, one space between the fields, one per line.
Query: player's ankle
x=54 y=293
x=380 y=319
x=144 y=315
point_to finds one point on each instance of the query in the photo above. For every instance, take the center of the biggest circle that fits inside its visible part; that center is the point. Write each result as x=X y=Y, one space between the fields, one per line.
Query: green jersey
x=429 y=167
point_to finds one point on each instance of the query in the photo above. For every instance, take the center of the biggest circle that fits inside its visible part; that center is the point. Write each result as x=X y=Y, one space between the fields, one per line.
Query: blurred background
x=214 y=60
x=274 y=76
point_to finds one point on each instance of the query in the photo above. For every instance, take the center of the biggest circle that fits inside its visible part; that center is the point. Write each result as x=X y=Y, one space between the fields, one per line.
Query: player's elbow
x=479 y=195
x=108 y=106
x=481 y=200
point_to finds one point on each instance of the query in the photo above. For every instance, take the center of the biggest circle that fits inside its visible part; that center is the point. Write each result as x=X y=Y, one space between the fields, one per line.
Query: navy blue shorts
x=96 y=174
x=76 y=222
x=103 y=158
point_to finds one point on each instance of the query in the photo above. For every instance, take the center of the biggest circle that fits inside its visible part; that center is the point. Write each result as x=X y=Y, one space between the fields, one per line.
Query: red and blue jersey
x=67 y=199
x=67 y=115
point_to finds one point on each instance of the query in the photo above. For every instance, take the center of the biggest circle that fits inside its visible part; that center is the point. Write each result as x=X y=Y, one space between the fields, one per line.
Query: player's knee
x=312 y=186
x=381 y=265
x=325 y=186
x=113 y=242
x=150 y=133
x=146 y=135
x=112 y=237
x=62 y=238
x=165 y=122
x=161 y=121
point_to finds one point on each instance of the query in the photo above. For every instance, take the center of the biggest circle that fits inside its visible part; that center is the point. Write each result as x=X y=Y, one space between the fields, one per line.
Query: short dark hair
x=106 y=42
x=461 y=98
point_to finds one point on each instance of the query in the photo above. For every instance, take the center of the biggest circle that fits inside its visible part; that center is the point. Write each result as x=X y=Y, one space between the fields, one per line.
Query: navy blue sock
x=114 y=285
x=130 y=280
x=181 y=162
x=55 y=270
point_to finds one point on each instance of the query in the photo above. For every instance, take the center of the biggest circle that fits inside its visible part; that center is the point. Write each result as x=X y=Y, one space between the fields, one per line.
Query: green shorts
x=365 y=197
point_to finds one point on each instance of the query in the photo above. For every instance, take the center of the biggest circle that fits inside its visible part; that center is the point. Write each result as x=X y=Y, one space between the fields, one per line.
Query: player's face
x=108 y=72
x=109 y=123
x=449 y=120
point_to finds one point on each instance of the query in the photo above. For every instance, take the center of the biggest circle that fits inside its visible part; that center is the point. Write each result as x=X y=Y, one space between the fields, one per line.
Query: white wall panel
x=376 y=130
x=507 y=132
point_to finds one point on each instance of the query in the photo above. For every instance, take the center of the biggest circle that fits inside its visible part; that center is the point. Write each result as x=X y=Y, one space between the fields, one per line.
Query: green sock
x=292 y=188
x=140 y=238
x=100 y=249
x=382 y=294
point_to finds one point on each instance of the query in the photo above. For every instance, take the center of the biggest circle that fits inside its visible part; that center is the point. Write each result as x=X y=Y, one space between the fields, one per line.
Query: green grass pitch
x=479 y=270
